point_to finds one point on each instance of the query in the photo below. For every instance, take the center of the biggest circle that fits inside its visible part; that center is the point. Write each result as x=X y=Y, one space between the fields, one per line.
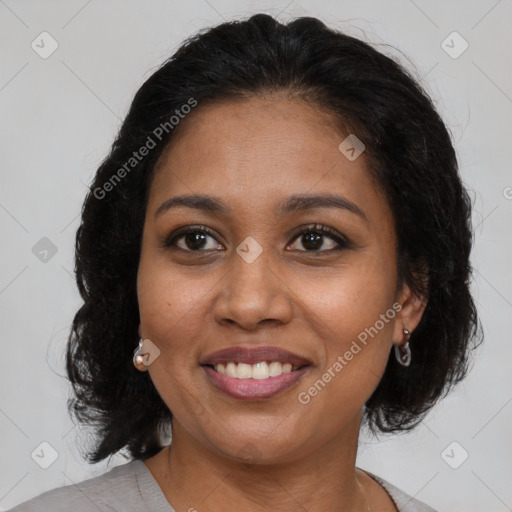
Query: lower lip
x=254 y=389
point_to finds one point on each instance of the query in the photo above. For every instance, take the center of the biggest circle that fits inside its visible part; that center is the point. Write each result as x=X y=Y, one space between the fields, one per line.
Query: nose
x=254 y=293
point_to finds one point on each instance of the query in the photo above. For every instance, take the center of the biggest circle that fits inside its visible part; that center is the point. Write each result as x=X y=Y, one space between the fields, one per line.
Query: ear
x=410 y=315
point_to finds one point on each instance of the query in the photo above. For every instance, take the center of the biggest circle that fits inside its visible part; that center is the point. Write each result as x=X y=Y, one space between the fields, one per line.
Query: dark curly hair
x=411 y=157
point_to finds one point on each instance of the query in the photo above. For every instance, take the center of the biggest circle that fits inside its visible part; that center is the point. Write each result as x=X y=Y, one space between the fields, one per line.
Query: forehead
x=255 y=152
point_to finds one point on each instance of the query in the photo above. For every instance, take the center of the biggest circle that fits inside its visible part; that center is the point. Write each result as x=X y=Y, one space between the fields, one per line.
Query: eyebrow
x=296 y=203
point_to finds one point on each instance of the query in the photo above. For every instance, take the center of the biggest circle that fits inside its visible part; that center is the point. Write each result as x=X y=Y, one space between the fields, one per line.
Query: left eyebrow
x=296 y=203
x=308 y=202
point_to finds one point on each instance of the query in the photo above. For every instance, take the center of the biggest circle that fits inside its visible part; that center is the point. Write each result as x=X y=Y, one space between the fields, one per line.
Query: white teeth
x=262 y=370
x=231 y=370
x=244 y=371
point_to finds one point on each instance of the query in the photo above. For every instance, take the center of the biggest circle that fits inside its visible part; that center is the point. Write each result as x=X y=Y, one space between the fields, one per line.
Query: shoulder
x=403 y=501
x=115 y=490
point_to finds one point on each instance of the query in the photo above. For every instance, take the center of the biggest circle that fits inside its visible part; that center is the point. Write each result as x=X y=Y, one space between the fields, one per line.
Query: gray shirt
x=132 y=488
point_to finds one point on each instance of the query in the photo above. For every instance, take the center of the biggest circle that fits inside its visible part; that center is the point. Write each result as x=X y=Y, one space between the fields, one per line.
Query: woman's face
x=256 y=272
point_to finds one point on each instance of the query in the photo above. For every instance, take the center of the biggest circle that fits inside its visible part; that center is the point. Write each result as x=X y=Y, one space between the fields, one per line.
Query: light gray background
x=59 y=117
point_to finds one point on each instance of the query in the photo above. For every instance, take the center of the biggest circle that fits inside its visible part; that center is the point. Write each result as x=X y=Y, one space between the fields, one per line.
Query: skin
x=252 y=154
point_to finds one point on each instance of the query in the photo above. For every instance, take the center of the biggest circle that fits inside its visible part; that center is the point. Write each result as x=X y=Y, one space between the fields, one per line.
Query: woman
x=282 y=226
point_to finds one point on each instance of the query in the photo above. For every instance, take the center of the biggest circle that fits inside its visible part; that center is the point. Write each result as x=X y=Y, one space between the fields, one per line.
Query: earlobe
x=413 y=306
x=408 y=318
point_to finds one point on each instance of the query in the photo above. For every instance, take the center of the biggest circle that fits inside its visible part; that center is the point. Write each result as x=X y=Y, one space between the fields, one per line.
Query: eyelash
x=343 y=243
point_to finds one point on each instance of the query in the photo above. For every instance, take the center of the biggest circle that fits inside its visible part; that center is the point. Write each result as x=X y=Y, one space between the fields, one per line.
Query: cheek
x=175 y=305
x=352 y=298
x=354 y=317
x=167 y=305
x=166 y=293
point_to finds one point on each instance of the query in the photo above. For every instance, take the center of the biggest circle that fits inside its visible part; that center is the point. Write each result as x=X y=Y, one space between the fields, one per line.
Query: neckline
x=385 y=485
x=155 y=496
x=151 y=493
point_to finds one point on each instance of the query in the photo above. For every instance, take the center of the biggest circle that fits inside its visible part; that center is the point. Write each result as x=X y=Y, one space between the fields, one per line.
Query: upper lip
x=253 y=355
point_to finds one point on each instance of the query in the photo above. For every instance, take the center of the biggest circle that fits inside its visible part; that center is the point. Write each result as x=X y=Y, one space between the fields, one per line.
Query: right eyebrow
x=198 y=202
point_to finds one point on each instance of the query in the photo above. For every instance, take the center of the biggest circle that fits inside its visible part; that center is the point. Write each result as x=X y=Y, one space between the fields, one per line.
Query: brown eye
x=321 y=239
x=193 y=240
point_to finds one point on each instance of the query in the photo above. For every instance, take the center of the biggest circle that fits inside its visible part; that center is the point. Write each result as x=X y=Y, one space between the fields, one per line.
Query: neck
x=195 y=477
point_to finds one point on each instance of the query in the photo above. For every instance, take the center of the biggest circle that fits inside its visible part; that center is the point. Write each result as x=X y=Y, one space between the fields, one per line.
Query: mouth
x=254 y=373
x=250 y=388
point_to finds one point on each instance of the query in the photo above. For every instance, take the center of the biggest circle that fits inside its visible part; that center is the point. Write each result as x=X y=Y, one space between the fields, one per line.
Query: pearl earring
x=138 y=357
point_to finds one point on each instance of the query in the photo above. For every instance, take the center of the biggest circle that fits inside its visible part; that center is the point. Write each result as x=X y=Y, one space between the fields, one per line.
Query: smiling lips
x=254 y=373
